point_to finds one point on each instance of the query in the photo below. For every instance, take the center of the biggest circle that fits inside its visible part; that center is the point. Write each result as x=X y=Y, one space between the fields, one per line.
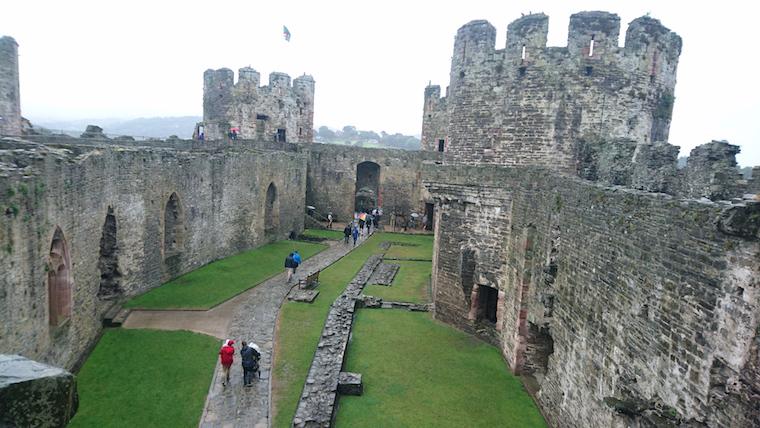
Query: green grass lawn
x=333 y=235
x=300 y=325
x=146 y=378
x=223 y=279
x=420 y=373
x=411 y=284
x=421 y=246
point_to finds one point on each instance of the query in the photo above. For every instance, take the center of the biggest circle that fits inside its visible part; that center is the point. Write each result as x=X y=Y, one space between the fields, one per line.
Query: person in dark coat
x=290 y=265
x=346 y=233
x=355 y=234
x=250 y=357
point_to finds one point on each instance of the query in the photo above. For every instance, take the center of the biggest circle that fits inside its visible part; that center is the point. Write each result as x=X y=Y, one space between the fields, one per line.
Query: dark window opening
x=521 y=71
x=441 y=144
x=300 y=131
x=300 y=111
x=429 y=116
x=589 y=70
x=488 y=301
x=280 y=136
x=429 y=216
x=651 y=78
x=461 y=74
x=108 y=263
x=262 y=117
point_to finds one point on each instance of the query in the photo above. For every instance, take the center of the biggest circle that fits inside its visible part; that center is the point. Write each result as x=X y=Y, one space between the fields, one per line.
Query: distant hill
x=351 y=136
x=153 y=127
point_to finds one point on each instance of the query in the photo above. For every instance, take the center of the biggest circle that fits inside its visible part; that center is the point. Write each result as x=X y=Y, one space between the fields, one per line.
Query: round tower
x=249 y=76
x=10 y=99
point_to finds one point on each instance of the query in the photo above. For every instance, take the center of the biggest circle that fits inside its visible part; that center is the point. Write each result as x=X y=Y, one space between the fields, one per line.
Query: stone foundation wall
x=221 y=198
x=616 y=300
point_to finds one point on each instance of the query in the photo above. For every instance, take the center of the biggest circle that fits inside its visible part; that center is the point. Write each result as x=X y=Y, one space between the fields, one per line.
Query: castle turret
x=474 y=45
x=434 y=120
x=593 y=35
x=303 y=87
x=526 y=39
x=217 y=93
x=10 y=100
x=249 y=76
x=279 y=80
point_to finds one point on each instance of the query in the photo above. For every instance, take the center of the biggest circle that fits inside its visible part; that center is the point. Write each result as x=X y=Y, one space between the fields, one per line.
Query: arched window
x=59 y=280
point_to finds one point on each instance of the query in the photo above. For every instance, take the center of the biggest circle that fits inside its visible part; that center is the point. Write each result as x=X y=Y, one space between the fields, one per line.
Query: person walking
x=329 y=220
x=296 y=260
x=355 y=234
x=226 y=356
x=290 y=266
x=346 y=233
x=250 y=360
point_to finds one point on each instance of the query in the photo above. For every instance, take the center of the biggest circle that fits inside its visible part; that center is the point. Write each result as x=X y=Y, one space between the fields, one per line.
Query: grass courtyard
x=333 y=235
x=146 y=378
x=223 y=279
x=418 y=372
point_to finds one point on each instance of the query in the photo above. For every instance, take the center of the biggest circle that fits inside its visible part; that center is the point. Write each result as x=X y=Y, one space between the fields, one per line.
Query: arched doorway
x=173 y=226
x=367 y=186
x=271 y=211
x=59 y=280
x=108 y=263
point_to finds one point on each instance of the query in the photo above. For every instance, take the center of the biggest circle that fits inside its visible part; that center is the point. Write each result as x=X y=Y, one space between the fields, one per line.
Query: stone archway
x=271 y=211
x=59 y=280
x=173 y=226
x=366 y=194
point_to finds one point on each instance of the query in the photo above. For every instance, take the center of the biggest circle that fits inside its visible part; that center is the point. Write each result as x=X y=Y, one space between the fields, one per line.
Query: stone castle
x=624 y=289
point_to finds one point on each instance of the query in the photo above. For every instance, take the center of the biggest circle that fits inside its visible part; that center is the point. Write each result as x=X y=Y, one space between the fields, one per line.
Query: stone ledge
x=350 y=383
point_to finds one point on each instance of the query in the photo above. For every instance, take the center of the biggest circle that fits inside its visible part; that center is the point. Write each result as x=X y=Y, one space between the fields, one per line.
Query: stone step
x=115 y=316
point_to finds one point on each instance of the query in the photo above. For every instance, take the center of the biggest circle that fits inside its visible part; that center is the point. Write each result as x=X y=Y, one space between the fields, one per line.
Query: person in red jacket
x=225 y=354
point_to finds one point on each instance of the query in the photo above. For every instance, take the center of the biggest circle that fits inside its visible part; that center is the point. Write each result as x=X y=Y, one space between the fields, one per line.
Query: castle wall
x=615 y=300
x=68 y=186
x=331 y=182
x=258 y=111
x=10 y=101
x=529 y=104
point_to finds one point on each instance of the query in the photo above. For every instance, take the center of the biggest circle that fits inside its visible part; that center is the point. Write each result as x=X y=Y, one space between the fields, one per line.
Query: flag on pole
x=286 y=33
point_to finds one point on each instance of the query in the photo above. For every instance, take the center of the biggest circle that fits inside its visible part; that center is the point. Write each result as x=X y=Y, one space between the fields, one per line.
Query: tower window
x=589 y=70
x=441 y=144
x=522 y=56
x=521 y=71
x=591 y=46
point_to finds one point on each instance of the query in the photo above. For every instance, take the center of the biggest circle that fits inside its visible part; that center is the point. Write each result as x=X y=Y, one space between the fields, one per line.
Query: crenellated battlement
x=283 y=110
x=530 y=104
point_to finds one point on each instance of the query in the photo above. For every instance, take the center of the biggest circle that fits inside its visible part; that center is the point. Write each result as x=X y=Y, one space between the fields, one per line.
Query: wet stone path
x=253 y=319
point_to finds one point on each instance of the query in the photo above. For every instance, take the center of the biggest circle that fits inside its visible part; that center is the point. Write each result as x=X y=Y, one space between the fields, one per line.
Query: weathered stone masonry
x=628 y=308
x=606 y=293
x=10 y=103
x=214 y=200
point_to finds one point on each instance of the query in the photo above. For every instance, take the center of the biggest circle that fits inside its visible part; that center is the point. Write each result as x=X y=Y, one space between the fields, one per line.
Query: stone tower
x=282 y=111
x=529 y=104
x=10 y=103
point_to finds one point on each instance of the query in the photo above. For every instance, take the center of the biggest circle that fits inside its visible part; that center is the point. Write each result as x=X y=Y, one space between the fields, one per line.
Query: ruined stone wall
x=331 y=183
x=629 y=308
x=10 y=102
x=529 y=104
x=221 y=208
x=258 y=111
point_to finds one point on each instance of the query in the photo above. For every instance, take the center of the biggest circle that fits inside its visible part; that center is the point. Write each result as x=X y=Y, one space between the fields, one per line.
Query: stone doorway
x=59 y=280
x=173 y=226
x=367 y=186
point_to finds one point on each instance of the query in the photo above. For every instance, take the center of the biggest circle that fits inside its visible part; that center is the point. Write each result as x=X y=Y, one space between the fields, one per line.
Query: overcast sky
x=371 y=60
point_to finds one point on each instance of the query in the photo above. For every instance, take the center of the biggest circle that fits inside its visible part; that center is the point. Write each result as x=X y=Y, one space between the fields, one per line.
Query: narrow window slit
x=591 y=46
